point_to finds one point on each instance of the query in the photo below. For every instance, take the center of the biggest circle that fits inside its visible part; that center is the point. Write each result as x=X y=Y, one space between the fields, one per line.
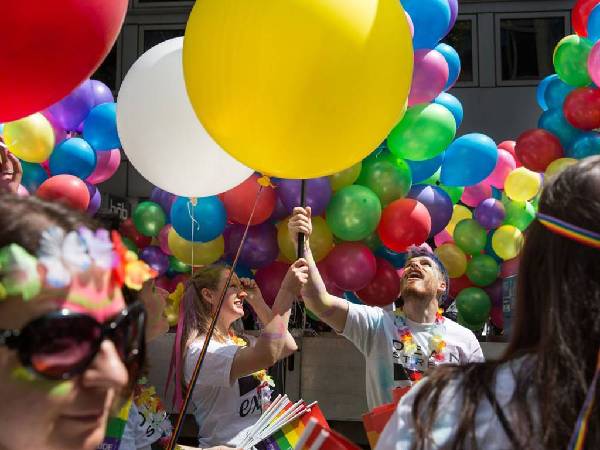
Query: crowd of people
x=73 y=332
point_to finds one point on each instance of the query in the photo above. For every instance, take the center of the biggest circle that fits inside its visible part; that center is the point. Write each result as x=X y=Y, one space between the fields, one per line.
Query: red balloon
x=53 y=47
x=269 y=280
x=497 y=317
x=509 y=146
x=580 y=14
x=67 y=189
x=404 y=222
x=582 y=108
x=165 y=283
x=538 y=148
x=240 y=200
x=458 y=284
x=510 y=268
x=128 y=229
x=351 y=266
x=384 y=288
x=332 y=288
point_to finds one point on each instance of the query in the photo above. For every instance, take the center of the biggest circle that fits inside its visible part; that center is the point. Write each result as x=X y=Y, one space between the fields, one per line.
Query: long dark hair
x=557 y=323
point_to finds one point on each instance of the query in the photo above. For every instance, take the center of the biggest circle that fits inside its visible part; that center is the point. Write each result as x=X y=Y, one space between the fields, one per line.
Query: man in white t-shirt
x=398 y=346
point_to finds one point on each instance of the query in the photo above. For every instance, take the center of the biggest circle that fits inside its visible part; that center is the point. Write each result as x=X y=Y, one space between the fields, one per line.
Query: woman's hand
x=300 y=222
x=296 y=277
x=253 y=291
x=11 y=172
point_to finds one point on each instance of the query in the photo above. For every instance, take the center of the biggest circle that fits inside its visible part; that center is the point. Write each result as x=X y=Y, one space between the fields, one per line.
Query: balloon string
x=210 y=332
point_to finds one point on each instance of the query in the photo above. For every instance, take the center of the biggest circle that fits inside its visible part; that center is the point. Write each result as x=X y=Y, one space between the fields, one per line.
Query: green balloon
x=570 y=60
x=386 y=175
x=473 y=305
x=424 y=132
x=483 y=270
x=149 y=218
x=345 y=178
x=519 y=214
x=130 y=245
x=372 y=241
x=455 y=192
x=178 y=266
x=353 y=213
x=470 y=237
x=472 y=327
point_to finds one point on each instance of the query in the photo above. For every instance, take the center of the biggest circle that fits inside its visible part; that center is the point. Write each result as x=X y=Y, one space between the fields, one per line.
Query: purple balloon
x=495 y=292
x=280 y=212
x=164 y=199
x=74 y=108
x=95 y=199
x=490 y=213
x=260 y=248
x=317 y=194
x=453 y=14
x=155 y=258
x=102 y=93
x=59 y=133
x=438 y=203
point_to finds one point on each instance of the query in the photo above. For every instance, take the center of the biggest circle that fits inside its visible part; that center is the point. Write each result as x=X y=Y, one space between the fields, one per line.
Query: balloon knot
x=265 y=181
x=193 y=201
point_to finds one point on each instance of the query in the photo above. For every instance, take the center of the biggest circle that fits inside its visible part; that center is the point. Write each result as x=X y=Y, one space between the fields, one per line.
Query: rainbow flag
x=115 y=428
x=287 y=437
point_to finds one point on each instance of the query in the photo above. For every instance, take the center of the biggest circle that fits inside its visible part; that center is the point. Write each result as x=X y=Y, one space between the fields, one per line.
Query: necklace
x=436 y=341
x=261 y=375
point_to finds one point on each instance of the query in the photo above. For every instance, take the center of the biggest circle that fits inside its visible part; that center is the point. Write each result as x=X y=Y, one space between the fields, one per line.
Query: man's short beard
x=409 y=293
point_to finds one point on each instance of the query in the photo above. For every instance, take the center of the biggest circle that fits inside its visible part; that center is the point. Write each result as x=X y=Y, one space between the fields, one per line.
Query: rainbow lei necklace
x=436 y=341
x=261 y=375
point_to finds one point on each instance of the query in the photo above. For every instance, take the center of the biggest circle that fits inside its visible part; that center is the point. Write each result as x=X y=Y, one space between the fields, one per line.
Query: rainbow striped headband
x=570 y=231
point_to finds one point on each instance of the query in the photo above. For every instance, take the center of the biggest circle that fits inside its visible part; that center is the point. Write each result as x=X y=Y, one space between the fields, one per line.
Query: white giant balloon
x=161 y=134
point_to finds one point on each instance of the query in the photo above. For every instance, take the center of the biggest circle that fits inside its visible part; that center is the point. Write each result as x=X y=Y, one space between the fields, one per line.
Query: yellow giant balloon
x=453 y=258
x=30 y=138
x=195 y=253
x=298 y=88
x=507 y=242
x=321 y=240
x=459 y=213
x=522 y=184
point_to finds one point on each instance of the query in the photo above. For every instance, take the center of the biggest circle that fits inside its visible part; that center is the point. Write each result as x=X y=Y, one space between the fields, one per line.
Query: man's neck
x=421 y=311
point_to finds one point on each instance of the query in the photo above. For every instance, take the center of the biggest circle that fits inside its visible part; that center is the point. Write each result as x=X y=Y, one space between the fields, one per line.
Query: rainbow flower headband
x=62 y=256
x=570 y=231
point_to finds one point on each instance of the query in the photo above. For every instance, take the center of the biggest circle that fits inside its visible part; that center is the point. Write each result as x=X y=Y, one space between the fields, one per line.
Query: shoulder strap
x=503 y=420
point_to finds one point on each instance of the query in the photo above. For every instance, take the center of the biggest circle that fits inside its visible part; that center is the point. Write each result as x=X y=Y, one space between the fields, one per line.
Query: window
x=107 y=72
x=160 y=33
x=462 y=37
x=525 y=46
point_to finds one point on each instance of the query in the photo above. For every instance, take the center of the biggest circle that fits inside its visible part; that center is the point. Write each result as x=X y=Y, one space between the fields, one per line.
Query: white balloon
x=161 y=134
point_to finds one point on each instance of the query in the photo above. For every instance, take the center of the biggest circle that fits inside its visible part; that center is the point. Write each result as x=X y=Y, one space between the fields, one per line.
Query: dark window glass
x=526 y=46
x=155 y=37
x=107 y=72
x=461 y=38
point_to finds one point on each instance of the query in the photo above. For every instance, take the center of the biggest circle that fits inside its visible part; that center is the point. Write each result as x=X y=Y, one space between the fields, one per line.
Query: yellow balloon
x=346 y=177
x=30 y=139
x=453 y=258
x=298 y=88
x=203 y=252
x=507 y=242
x=321 y=240
x=459 y=213
x=522 y=184
x=557 y=166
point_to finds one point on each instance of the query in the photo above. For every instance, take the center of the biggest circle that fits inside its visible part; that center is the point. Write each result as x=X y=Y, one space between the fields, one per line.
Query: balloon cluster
x=68 y=148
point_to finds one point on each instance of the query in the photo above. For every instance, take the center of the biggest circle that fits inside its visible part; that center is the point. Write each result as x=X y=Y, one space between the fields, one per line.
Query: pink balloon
x=22 y=191
x=351 y=266
x=509 y=146
x=594 y=64
x=443 y=237
x=474 y=195
x=163 y=239
x=505 y=165
x=332 y=288
x=46 y=166
x=411 y=26
x=107 y=164
x=509 y=268
x=429 y=77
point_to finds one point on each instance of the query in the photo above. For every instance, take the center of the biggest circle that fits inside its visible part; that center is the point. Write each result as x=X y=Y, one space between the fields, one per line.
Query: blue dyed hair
x=416 y=252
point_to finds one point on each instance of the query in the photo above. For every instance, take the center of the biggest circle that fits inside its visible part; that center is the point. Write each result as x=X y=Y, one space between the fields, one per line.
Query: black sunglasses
x=62 y=344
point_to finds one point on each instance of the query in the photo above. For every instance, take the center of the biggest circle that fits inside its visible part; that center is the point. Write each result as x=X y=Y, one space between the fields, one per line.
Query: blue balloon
x=100 y=127
x=352 y=298
x=541 y=91
x=489 y=250
x=593 y=25
x=452 y=104
x=201 y=222
x=33 y=175
x=556 y=92
x=1 y=128
x=431 y=19
x=73 y=157
x=469 y=160
x=453 y=60
x=588 y=144
x=496 y=193
x=243 y=272
x=421 y=170
x=554 y=121
x=396 y=259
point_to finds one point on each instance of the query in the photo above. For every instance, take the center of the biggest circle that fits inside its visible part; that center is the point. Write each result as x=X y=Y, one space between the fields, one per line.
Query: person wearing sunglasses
x=68 y=344
x=543 y=392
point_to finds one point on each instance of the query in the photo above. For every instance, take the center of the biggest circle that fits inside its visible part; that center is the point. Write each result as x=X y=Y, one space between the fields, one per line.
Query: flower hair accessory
x=62 y=256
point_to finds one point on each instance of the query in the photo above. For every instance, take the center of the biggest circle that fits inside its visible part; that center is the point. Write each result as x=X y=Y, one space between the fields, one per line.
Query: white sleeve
x=362 y=325
x=475 y=354
x=216 y=369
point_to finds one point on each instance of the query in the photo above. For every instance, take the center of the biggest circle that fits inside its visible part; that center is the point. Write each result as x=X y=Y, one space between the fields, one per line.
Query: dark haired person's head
x=557 y=323
x=61 y=364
